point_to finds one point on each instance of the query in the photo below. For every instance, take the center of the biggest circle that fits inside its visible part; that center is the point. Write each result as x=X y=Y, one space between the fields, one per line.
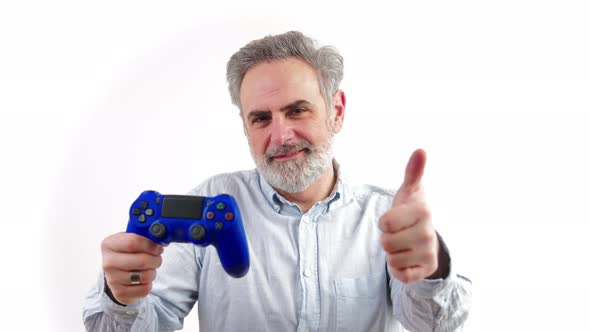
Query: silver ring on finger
x=134 y=277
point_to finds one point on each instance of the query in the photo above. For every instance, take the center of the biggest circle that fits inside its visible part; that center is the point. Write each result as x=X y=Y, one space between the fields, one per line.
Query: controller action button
x=209 y=202
x=149 y=212
x=136 y=212
x=158 y=230
x=197 y=232
x=157 y=200
x=210 y=215
x=220 y=206
x=229 y=216
x=219 y=225
x=143 y=205
x=141 y=218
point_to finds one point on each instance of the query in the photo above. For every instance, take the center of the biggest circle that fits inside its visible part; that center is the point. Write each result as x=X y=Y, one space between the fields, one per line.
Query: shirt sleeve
x=175 y=291
x=432 y=305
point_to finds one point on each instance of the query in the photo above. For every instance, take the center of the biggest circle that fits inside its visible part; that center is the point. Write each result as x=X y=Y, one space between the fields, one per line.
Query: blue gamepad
x=197 y=219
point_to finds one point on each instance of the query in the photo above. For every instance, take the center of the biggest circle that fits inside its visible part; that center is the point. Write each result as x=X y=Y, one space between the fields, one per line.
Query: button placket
x=309 y=280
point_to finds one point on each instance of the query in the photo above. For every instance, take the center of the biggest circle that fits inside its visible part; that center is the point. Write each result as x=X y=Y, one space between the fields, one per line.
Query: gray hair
x=326 y=61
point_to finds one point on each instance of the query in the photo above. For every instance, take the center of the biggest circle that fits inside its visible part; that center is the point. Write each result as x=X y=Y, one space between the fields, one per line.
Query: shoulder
x=369 y=195
x=228 y=183
x=364 y=191
x=361 y=193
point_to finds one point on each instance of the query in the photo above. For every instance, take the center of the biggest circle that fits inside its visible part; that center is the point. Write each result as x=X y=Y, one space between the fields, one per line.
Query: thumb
x=413 y=176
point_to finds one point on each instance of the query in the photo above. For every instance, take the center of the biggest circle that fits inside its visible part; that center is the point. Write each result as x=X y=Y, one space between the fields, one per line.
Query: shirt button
x=307 y=273
x=131 y=312
x=305 y=219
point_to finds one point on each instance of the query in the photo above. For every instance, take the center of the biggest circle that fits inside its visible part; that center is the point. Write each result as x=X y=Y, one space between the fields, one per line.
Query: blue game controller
x=197 y=219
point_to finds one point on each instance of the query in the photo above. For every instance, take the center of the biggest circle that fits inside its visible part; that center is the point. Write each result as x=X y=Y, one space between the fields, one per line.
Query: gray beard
x=295 y=175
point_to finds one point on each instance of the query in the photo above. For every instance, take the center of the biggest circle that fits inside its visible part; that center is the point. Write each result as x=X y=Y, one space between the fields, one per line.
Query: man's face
x=287 y=124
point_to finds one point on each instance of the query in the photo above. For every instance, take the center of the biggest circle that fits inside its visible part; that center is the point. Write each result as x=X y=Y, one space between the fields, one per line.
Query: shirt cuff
x=430 y=288
x=126 y=313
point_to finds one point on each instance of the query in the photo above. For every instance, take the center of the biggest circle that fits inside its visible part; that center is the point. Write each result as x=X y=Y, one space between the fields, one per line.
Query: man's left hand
x=408 y=238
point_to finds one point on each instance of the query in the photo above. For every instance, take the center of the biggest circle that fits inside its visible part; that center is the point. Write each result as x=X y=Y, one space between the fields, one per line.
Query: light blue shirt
x=324 y=270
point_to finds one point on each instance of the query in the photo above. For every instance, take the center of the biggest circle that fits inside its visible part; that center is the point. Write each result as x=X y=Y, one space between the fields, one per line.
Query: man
x=324 y=255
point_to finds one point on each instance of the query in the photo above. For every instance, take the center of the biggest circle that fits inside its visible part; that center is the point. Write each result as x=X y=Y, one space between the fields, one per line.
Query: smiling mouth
x=287 y=156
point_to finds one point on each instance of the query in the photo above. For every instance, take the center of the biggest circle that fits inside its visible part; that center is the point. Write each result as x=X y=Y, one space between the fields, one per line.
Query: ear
x=339 y=105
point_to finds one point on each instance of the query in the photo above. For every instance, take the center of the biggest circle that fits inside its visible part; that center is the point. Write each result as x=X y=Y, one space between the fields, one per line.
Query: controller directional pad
x=143 y=211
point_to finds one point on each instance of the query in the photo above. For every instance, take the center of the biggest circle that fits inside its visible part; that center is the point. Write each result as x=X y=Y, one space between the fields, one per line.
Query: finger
x=131 y=262
x=409 y=239
x=415 y=169
x=403 y=216
x=131 y=243
x=128 y=294
x=410 y=274
x=413 y=176
x=123 y=278
x=424 y=257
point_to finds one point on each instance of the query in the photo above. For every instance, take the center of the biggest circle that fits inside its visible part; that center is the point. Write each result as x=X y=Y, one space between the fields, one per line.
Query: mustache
x=287 y=149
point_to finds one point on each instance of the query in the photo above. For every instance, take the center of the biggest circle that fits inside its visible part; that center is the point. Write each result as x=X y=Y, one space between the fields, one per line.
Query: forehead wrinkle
x=264 y=95
x=264 y=111
x=277 y=80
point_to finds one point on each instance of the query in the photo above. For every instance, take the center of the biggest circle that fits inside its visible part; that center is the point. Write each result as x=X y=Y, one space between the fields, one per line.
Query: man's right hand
x=123 y=253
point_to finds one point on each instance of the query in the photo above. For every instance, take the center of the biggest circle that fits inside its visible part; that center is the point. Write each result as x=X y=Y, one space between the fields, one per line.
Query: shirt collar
x=278 y=202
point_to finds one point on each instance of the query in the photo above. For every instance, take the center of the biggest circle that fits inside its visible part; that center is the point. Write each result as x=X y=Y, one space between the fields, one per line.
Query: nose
x=281 y=132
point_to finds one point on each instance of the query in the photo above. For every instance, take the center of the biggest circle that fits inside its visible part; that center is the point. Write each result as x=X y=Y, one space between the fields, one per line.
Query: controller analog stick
x=197 y=232
x=158 y=230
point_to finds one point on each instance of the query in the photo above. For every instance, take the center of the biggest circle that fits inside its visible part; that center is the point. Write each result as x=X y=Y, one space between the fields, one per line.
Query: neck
x=316 y=192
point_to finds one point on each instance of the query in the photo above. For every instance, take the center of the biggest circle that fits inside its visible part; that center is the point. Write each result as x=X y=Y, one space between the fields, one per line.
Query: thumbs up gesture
x=409 y=240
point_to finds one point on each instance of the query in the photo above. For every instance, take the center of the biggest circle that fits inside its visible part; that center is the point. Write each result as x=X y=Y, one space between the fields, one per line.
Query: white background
x=100 y=101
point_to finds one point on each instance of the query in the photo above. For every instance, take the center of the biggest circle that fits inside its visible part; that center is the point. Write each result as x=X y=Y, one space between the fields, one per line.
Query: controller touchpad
x=182 y=207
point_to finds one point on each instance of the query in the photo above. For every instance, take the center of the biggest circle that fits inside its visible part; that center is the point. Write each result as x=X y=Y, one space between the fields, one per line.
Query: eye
x=260 y=119
x=297 y=111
